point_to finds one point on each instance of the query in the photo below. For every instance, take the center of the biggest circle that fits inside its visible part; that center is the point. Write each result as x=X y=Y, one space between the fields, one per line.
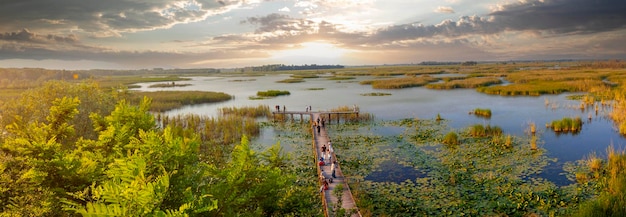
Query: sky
x=146 y=34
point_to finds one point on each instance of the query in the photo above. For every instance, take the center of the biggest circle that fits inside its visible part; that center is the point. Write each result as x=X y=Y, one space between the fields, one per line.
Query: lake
x=512 y=114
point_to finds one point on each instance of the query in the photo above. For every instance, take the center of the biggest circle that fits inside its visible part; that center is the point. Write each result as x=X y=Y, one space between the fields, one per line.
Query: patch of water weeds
x=489 y=175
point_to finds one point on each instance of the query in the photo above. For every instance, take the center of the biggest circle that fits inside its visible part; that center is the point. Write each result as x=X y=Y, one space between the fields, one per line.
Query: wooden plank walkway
x=326 y=115
x=330 y=199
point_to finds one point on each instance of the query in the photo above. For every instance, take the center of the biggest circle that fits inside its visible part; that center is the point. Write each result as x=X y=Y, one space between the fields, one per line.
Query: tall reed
x=566 y=125
x=482 y=112
x=361 y=116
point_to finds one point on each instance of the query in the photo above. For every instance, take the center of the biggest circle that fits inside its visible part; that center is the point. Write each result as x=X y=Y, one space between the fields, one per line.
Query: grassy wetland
x=414 y=152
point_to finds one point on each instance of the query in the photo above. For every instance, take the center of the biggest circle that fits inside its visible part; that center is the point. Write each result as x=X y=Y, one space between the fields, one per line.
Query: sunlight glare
x=317 y=50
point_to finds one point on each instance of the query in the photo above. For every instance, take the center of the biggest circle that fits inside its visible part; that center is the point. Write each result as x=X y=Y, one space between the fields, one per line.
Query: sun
x=319 y=52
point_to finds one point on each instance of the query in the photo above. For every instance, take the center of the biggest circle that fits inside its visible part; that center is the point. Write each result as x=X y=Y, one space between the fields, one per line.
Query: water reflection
x=391 y=171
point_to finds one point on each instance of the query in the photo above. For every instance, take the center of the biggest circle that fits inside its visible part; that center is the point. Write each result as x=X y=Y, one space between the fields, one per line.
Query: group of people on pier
x=277 y=107
x=326 y=155
x=318 y=124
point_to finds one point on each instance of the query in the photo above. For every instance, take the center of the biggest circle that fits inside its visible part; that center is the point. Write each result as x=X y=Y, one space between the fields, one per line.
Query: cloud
x=106 y=18
x=547 y=17
x=562 y=16
x=124 y=58
x=279 y=22
x=25 y=36
x=445 y=10
x=285 y=9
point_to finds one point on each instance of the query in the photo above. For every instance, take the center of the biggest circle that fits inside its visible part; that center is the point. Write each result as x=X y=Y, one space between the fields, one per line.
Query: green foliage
x=126 y=192
x=34 y=106
x=272 y=93
x=246 y=185
x=133 y=168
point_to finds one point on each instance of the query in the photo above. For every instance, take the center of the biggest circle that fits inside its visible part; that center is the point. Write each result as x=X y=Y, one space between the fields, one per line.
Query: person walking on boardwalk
x=330 y=148
x=329 y=156
x=333 y=167
x=323 y=149
x=284 y=108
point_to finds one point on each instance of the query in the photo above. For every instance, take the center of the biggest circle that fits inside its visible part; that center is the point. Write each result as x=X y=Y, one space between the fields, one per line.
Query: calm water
x=511 y=113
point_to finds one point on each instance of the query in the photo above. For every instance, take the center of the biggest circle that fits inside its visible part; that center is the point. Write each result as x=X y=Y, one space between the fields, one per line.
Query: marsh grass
x=165 y=85
x=566 y=125
x=272 y=93
x=479 y=130
x=482 y=112
x=219 y=134
x=291 y=80
x=397 y=83
x=453 y=83
x=610 y=179
x=117 y=81
x=532 y=128
x=246 y=111
x=167 y=100
x=302 y=76
x=451 y=139
x=376 y=94
x=315 y=88
x=242 y=80
x=362 y=116
x=538 y=82
x=340 y=78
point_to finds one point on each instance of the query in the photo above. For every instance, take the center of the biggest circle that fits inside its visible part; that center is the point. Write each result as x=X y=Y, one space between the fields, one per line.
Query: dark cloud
x=129 y=59
x=104 y=17
x=563 y=16
x=551 y=17
x=25 y=36
x=279 y=22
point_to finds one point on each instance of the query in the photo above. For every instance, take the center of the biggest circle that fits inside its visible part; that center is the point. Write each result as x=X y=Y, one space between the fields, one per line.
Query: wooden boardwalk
x=328 y=116
x=329 y=198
